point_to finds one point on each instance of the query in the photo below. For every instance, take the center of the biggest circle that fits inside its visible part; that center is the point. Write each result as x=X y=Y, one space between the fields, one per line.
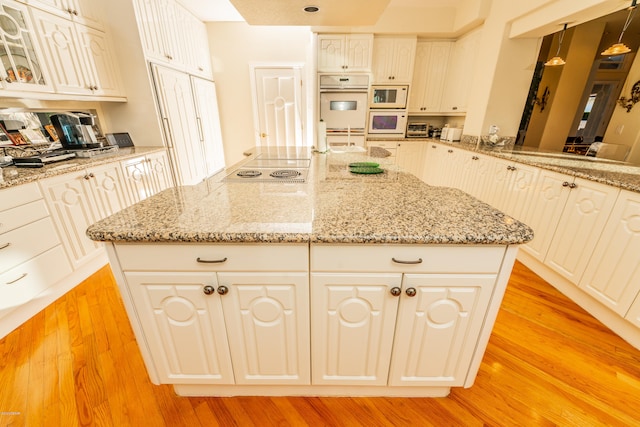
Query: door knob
x=263 y=135
x=208 y=290
x=222 y=290
x=411 y=292
x=395 y=291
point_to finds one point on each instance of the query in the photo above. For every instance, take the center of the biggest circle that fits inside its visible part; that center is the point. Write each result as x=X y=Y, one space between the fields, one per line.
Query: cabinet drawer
x=22 y=215
x=25 y=281
x=26 y=242
x=238 y=257
x=19 y=195
x=435 y=258
x=384 y=144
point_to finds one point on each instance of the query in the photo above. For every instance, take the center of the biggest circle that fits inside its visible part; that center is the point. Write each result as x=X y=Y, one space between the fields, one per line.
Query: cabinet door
x=22 y=68
x=267 y=318
x=458 y=79
x=352 y=325
x=73 y=210
x=612 y=275
x=434 y=170
x=579 y=228
x=428 y=76
x=135 y=174
x=411 y=157
x=452 y=167
x=67 y=63
x=159 y=172
x=199 y=57
x=331 y=51
x=437 y=329
x=358 y=52
x=403 y=59
x=177 y=109
x=204 y=92
x=109 y=188
x=183 y=327
x=479 y=175
x=383 y=60
x=150 y=28
x=547 y=202
x=520 y=190
x=87 y=12
x=498 y=186
x=100 y=62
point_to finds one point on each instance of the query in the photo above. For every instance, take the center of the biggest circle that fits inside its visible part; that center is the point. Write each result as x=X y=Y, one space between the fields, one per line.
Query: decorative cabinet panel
x=146 y=175
x=103 y=74
x=352 y=327
x=612 y=275
x=459 y=78
x=86 y=12
x=23 y=68
x=210 y=132
x=393 y=59
x=411 y=157
x=345 y=52
x=184 y=327
x=429 y=75
x=436 y=328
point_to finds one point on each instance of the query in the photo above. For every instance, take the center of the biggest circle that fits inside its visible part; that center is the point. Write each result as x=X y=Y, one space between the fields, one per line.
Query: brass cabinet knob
x=209 y=290
x=411 y=292
x=395 y=291
x=223 y=290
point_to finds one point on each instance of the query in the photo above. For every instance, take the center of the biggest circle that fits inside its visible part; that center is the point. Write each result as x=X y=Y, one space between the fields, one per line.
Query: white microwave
x=387 y=123
x=388 y=97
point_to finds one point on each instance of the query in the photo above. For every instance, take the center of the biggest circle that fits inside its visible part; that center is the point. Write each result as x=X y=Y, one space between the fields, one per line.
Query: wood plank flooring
x=548 y=363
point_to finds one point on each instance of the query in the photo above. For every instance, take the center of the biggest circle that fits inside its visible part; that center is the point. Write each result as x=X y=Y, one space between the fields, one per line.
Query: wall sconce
x=542 y=102
x=557 y=60
x=620 y=48
x=628 y=103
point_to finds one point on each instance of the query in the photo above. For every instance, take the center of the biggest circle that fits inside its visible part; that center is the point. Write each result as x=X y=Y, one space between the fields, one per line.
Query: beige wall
x=234 y=46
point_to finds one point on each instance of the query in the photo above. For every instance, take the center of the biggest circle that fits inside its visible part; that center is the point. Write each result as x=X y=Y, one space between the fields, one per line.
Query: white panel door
x=520 y=190
x=102 y=68
x=331 y=51
x=109 y=188
x=278 y=106
x=204 y=93
x=267 y=318
x=438 y=328
x=159 y=172
x=184 y=327
x=358 y=53
x=613 y=273
x=353 y=320
x=178 y=112
x=135 y=175
x=579 y=228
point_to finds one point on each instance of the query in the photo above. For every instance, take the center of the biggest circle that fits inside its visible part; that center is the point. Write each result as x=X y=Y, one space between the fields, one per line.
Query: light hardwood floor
x=548 y=363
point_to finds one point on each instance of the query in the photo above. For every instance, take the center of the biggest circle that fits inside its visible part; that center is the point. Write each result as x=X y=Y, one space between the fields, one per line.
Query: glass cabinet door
x=21 y=68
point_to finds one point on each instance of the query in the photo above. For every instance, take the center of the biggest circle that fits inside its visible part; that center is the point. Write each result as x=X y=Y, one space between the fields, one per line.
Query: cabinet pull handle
x=208 y=290
x=565 y=184
x=395 y=291
x=399 y=261
x=167 y=127
x=223 y=290
x=411 y=292
x=211 y=261
x=573 y=185
x=15 y=280
x=199 y=120
x=8 y=79
x=6 y=245
x=449 y=151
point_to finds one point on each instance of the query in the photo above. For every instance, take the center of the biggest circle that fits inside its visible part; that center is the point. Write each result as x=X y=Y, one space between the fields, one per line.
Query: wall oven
x=387 y=123
x=343 y=107
x=389 y=97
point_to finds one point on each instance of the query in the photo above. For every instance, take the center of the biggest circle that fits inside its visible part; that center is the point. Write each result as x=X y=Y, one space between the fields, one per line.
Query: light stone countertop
x=333 y=206
x=12 y=175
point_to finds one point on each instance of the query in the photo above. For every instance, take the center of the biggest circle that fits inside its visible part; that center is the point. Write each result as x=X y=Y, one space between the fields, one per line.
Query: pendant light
x=620 y=48
x=557 y=60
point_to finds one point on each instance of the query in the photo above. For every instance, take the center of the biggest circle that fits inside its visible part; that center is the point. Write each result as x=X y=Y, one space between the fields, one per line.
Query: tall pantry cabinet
x=172 y=98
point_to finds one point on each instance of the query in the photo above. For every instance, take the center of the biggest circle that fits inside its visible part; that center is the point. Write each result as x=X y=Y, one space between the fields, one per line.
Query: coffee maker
x=75 y=130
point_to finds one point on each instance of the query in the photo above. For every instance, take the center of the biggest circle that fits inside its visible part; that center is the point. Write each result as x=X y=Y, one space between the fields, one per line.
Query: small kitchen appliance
x=417 y=130
x=387 y=123
x=75 y=131
x=389 y=97
x=451 y=134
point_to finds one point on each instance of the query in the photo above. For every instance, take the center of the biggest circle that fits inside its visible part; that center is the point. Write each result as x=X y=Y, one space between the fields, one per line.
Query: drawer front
x=384 y=144
x=409 y=258
x=184 y=257
x=22 y=215
x=26 y=242
x=19 y=195
x=24 y=282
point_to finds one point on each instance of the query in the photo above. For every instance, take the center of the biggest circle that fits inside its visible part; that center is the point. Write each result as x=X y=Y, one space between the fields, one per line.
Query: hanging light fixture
x=557 y=60
x=620 y=48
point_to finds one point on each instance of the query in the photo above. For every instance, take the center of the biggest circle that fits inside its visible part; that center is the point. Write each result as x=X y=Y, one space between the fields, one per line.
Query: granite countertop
x=333 y=206
x=11 y=175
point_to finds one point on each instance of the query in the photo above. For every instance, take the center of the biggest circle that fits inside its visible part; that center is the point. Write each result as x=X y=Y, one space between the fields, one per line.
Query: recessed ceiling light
x=311 y=9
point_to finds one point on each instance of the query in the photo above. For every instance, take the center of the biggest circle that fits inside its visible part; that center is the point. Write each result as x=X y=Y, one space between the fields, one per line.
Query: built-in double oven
x=343 y=107
x=388 y=110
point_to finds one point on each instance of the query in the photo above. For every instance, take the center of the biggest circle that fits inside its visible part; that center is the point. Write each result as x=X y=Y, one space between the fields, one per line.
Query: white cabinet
x=86 y=12
x=146 y=175
x=408 y=315
x=612 y=275
x=345 y=52
x=77 y=200
x=442 y=165
x=178 y=114
x=81 y=59
x=206 y=101
x=459 y=76
x=23 y=68
x=510 y=187
x=476 y=173
x=583 y=218
x=393 y=59
x=429 y=75
x=411 y=157
x=209 y=322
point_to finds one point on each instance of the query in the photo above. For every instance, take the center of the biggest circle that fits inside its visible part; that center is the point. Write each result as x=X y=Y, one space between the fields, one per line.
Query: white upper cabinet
x=86 y=12
x=23 y=68
x=429 y=75
x=393 y=59
x=345 y=52
x=459 y=74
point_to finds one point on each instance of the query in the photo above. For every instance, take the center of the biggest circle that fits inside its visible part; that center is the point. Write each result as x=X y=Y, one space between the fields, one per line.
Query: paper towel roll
x=321 y=146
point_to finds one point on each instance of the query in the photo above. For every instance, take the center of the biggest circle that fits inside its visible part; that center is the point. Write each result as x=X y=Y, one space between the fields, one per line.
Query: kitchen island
x=340 y=285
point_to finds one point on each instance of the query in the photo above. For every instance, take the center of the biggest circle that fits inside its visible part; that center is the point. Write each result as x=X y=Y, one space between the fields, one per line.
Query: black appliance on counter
x=75 y=131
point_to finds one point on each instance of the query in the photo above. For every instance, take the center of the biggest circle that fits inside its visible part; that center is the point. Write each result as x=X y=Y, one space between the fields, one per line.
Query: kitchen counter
x=333 y=206
x=12 y=175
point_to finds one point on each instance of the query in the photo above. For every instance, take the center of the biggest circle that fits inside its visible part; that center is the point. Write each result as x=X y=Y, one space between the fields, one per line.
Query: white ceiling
x=223 y=10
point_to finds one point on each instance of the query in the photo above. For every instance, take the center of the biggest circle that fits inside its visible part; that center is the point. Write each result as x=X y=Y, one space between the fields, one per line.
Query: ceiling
x=289 y=12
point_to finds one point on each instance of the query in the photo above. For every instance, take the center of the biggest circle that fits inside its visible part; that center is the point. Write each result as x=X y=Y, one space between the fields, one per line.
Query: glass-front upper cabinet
x=22 y=69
